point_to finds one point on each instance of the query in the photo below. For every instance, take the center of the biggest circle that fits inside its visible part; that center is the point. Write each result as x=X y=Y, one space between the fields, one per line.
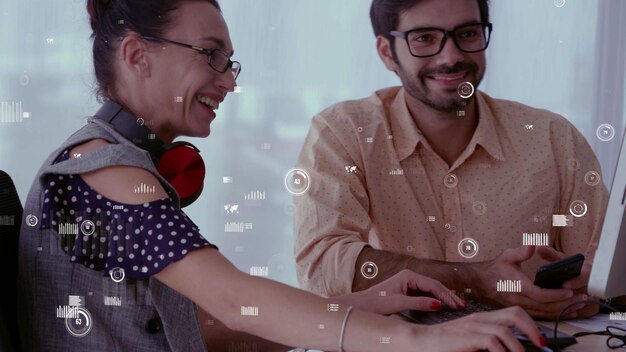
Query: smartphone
x=553 y=275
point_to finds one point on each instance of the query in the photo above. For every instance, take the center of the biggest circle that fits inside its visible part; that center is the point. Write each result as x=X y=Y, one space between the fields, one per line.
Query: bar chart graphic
x=250 y=310
x=237 y=226
x=255 y=195
x=112 y=301
x=233 y=227
x=7 y=220
x=12 y=111
x=536 y=239
x=617 y=316
x=67 y=312
x=509 y=286
x=68 y=229
x=259 y=271
x=144 y=188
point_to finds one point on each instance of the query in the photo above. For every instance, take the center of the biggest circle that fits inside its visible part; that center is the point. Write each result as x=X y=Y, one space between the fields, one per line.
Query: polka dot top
x=136 y=239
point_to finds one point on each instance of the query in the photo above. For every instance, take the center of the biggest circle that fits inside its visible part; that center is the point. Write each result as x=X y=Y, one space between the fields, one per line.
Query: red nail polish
x=543 y=341
x=436 y=305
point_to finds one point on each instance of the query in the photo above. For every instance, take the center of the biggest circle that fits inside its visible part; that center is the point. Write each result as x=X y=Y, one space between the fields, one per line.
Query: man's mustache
x=458 y=67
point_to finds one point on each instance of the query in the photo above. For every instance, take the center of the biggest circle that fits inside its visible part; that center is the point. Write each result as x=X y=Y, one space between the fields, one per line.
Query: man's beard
x=418 y=88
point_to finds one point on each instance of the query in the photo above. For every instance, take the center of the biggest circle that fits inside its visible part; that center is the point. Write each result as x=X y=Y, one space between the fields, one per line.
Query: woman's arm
x=294 y=317
x=285 y=315
x=218 y=337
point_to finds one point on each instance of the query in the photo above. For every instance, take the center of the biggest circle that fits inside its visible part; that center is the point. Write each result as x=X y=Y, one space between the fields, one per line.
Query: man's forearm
x=455 y=276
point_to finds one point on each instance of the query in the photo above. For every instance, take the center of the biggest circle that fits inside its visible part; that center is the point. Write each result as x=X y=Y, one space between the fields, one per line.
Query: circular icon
x=297 y=181
x=578 y=208
x=468 y=248
x=465 y=90
x=605 y=132
x=450 y=180
x=117 y=274
x=369 y=270
x=359 y=129
x=410 y=248
x=24 y=79
x=446 y=226
x=78 y=322
x=592 y=178
x=573 y=164
x=31 y=220
x=559 y=3
x=87 y=227
x=453 y=229
x=479 y=208
x=140 y=122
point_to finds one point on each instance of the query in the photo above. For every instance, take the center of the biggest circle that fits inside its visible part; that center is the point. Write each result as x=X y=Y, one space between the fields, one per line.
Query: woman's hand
x=401 y=292
x=490 y=331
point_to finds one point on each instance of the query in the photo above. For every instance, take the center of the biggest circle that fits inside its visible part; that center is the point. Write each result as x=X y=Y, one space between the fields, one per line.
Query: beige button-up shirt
x=375 y=180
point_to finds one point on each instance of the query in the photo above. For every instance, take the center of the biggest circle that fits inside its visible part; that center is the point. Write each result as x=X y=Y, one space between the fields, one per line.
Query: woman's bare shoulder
x=124 y=184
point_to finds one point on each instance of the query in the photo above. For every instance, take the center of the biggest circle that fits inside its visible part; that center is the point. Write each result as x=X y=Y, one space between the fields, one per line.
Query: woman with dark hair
x=108 y=247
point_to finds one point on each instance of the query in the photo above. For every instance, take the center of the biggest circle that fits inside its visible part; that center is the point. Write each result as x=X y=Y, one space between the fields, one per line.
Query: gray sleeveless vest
x=66 y=306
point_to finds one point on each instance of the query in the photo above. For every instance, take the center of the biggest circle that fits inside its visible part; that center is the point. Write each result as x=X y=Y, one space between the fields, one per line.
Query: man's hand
x=539 y=302
x=577 y=284
x=405 y=290
x=552 y=255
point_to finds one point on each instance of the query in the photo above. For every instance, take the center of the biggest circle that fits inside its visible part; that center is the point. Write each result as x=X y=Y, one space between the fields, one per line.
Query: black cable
x=621 y=336
x=607 y=332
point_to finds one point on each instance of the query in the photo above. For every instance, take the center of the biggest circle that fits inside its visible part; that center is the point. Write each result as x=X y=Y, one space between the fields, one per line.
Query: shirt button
x=154 y=325
x=450 y=227
x=450 y=180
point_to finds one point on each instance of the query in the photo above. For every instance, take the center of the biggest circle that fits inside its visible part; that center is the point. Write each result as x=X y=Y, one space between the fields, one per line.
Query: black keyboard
x=446 y=314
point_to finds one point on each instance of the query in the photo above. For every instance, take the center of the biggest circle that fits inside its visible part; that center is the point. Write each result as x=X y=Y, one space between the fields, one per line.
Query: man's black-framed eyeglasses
x=218 y=59
x=426 y=42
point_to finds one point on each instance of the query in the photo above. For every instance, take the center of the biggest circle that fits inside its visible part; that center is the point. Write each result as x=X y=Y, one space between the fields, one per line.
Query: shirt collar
x=486 y=134
x=407 y=136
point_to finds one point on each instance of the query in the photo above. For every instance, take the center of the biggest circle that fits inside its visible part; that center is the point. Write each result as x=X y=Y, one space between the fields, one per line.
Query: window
x=300 y=57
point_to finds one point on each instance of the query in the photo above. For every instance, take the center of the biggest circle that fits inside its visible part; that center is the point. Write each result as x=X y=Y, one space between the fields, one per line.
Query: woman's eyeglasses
x=218 y=59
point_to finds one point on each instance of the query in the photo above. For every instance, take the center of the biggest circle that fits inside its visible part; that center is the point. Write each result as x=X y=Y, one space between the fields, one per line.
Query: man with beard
x=442 y=179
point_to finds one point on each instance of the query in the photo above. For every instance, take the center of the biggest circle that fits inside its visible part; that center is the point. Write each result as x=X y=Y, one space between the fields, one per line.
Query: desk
x=591 y=343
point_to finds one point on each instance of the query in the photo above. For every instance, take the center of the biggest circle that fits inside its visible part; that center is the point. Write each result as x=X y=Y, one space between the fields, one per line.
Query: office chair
x=10 y=224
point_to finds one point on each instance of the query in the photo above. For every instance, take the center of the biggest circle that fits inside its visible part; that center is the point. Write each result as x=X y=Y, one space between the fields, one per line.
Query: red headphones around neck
x=179 y=163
